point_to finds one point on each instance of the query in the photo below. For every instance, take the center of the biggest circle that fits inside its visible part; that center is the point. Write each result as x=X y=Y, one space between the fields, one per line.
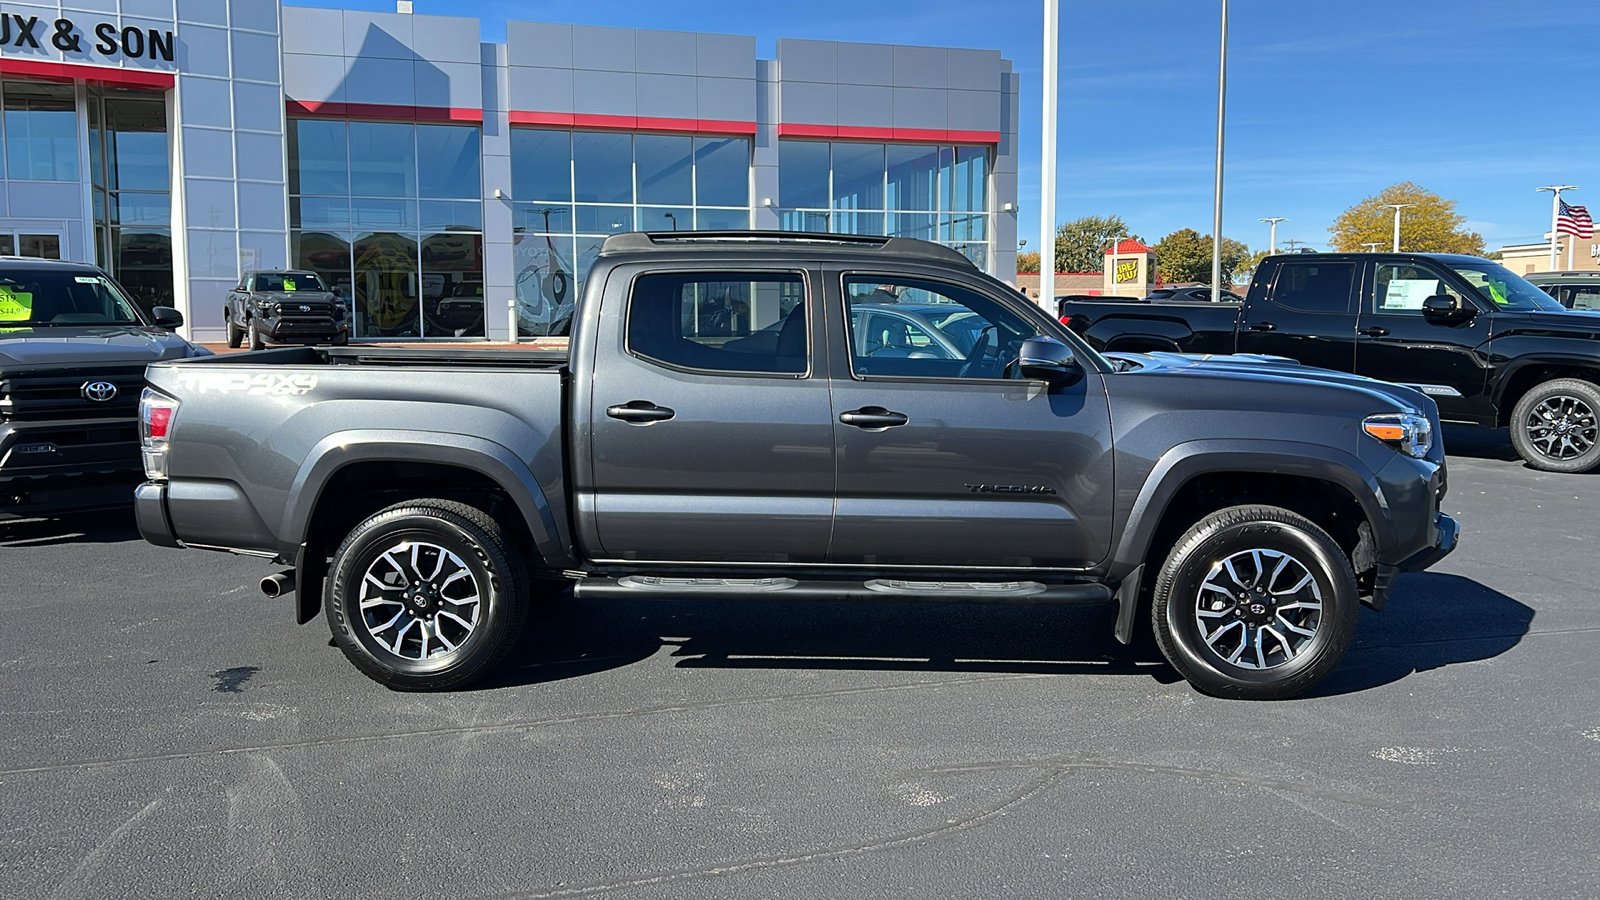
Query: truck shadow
x=1433 y=621
x=1479 y=443
x=105 y=527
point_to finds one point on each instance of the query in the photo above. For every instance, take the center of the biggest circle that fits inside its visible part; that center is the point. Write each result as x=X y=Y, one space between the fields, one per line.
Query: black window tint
x=1319 y=287
x=721 y=321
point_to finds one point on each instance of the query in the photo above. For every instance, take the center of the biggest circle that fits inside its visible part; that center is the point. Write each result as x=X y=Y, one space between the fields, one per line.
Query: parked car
x=73 y=349
x=285 y=306
x=434 y=499
x=1574 y=290
x=1490 y=348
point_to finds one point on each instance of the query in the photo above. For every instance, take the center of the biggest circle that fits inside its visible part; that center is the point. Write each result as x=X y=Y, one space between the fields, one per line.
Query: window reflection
x=448 y=161
x=541 y=164
x=722 y=171
x=385 y=282
x=41 y=131
x=665 y=169
x=387 y=157
x=132 y=199
x=602 y=167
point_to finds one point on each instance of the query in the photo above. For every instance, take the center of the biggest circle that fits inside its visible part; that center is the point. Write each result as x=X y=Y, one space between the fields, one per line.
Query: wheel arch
x=341 y=476
x=1524 y=375
x=1326 y=485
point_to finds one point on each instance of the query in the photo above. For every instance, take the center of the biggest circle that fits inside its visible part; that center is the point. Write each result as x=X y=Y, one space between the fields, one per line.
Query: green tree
x=1028 y=263
x=1185 y=255
x=1081 y=244
x=1430 y=225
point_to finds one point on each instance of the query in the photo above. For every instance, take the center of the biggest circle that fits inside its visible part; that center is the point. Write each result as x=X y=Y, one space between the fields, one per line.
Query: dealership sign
x=64 y=35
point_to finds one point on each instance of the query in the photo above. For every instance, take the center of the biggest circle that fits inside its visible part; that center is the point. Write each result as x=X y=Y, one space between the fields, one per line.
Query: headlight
x=269 y=309
x=1409 y=433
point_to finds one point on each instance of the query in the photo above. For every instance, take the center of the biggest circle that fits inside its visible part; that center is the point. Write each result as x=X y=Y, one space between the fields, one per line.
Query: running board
x=663 y=587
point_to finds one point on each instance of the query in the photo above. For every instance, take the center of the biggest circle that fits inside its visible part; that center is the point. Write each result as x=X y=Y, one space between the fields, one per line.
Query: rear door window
x=721 y=321
x=1315 y=286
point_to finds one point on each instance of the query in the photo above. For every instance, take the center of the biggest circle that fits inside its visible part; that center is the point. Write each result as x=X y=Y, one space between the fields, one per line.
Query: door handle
x=873 y=417
x=1374 y=331
x=640 y=412
x=1262 y=326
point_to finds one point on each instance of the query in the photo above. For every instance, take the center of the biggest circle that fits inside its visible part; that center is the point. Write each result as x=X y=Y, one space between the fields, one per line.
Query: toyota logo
x=99 y=391
x=305 y=308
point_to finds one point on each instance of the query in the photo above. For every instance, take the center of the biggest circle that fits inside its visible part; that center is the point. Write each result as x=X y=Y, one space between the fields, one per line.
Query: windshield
x=288 y=281
x=1504 y=287
x=53 y=297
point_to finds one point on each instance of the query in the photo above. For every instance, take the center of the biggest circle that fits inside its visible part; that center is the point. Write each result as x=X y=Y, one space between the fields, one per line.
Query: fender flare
x=345 y=448
x=1515 y=367
x=1184 y=462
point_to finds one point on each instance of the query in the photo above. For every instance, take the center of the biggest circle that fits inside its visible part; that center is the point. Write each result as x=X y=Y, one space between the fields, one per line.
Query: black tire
x=477 y=545
x=1556 y=426
x=1211 y=554
x=235 y=333
x=257 y=342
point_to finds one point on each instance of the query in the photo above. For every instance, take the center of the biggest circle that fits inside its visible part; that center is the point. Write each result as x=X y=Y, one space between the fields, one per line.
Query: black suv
x=73 y=350
x=285 y=306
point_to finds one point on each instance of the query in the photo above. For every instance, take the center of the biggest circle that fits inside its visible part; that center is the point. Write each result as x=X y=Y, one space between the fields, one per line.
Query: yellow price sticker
x=16 y=306
x=288 y=284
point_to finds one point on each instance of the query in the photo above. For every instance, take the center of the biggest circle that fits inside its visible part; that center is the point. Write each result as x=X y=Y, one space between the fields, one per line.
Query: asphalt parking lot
x=169 y=732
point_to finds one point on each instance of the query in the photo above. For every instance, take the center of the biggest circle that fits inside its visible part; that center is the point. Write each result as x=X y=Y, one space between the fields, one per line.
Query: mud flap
x=1128 y=603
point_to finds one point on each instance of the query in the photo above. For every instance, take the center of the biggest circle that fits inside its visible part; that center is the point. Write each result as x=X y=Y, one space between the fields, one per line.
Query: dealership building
x=450 y=187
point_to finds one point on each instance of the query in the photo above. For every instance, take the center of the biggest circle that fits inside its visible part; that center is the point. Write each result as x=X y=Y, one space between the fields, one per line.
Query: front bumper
x=283 y=329
x=35 y=498
x=1447 y=533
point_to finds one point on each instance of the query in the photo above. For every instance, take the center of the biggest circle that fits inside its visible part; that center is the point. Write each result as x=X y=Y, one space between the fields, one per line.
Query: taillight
x=155 y=423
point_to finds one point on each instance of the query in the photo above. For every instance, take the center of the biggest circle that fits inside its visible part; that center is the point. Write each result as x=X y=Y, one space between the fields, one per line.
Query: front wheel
x=235 y=333
x=426 y=595
x=257 y=342
x=1255 y=603
x=1555 y=426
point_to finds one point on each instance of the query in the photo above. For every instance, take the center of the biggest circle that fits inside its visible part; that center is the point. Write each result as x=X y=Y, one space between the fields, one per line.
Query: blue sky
x=1328 y=102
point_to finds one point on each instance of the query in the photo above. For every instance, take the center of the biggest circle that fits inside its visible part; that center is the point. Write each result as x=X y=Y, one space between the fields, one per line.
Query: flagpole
x=1555 y=214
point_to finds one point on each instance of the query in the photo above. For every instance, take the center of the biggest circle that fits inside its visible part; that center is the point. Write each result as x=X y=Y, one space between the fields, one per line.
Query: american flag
x=1574 y=220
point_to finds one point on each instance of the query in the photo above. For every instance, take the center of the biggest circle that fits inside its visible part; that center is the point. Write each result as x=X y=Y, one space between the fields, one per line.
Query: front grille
x=58 y=394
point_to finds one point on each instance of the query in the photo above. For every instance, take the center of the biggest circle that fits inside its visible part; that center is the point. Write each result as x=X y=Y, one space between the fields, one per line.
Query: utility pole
x=1293 y=244
x=1047 y=161
x=1555 y=213
x=1397 y=207
x=1274 y=220
x=1216 y=212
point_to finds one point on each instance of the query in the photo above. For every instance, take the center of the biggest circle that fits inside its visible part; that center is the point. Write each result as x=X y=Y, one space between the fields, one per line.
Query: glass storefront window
x=383 y=215
x=969 y=180
x=546 y=284
x=385 y=285
x=802 y=173
x=722 y=172
x=132 y=190
x=142 y=261
x=449 y=161
x=602 y=167
x=656 y=218
x=858 y=176
x=325 y=253
x=138 y=208
x=913 y=177
x=604 y=219
x=542 y=217
x=41 y=131
x=319 y=157
x=452 y=284
x=452 y=215
x=541 y=165
x=387 y=159
x=319 y=212
x=721 y=219
x=136 y=137
x=665 y=170
x=849 y=221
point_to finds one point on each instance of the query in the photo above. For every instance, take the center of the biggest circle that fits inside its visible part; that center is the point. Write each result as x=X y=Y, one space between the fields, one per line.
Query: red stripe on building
x=56 y=71
x=909 y=135
x=382 y=111
x=631 y=123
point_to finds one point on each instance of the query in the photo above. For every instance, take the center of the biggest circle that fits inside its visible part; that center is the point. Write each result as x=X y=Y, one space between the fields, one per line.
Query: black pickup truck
x=1489 y=347
x=752 y=414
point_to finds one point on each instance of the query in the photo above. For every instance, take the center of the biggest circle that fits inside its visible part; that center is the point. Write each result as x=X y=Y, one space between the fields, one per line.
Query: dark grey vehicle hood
x=293 y=296
x=57 y=345
x=1254 y=368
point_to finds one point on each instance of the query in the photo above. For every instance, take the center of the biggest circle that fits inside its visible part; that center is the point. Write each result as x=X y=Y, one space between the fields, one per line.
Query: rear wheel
x=257 y=342
x=235 y=333
x=1556 y=426
x=1255 y=603
x=427 y=595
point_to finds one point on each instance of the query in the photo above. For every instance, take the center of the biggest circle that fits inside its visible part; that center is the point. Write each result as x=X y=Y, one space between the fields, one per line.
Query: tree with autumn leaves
x=1430 y=225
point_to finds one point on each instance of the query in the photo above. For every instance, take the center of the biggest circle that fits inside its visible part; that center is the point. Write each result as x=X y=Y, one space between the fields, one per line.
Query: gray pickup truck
x=744 y=414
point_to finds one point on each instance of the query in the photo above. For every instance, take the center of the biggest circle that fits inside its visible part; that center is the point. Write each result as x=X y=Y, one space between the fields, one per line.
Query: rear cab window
x=735 y=322
x=1314 y=286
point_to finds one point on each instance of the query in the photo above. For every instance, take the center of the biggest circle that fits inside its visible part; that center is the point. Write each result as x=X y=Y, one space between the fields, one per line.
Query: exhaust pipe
x=277 y=585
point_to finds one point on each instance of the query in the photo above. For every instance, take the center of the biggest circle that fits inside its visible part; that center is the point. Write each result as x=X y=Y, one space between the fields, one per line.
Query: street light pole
x=1397 y=207
x=1372 y=246
x=1047 y=161
x=1274 y=220
x=1216 y=211
x=1555 y=213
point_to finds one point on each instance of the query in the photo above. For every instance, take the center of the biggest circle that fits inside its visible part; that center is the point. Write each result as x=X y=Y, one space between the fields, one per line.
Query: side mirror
x=1445 y=308
x=1047 y=359
x=167 y=317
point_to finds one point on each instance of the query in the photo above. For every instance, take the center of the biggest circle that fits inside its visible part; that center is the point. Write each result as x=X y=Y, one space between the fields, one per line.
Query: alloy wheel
x=419 y=600
x=1562 y=427
x=1258 y=608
